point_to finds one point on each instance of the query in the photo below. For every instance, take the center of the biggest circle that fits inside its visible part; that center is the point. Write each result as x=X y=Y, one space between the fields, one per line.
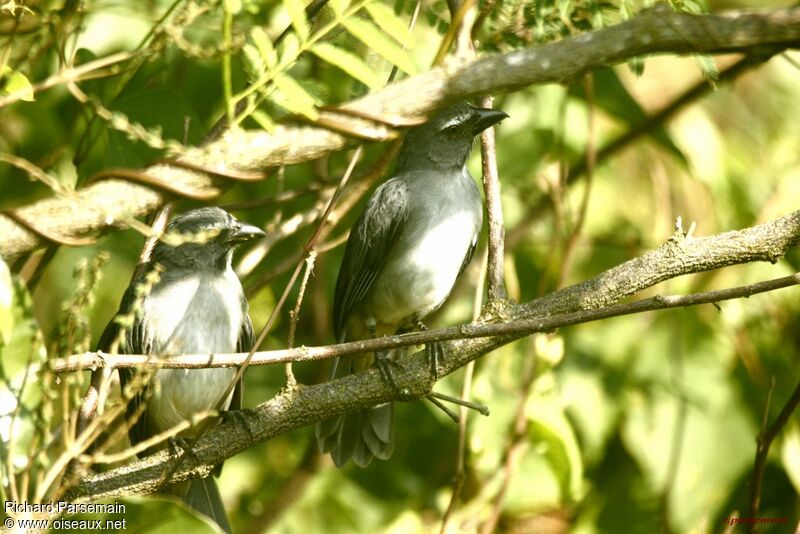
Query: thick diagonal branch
x=659 y=30
x=306 y=405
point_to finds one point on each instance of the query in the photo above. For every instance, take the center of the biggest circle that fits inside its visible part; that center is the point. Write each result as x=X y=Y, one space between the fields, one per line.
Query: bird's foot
x=178 y=446
x=434 y=351
x=385 y=365
x=239 y=417
x=435 y=354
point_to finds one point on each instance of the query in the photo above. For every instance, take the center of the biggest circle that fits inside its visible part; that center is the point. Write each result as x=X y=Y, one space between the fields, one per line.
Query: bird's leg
x=238 y=416
x=385 y=364
x=180 y=446
x=434 y=351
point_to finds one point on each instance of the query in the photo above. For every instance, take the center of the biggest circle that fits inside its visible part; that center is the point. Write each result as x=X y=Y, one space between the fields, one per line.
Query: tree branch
x=495 y=278
x=765 y=439
x=94 y=360
x=305 y=405
x=108 y=203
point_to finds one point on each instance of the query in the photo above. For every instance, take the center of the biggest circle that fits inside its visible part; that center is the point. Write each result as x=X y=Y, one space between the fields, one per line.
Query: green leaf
x=372 y=37
x=254 y=64
x=709 y=68
x=636 y=65
x=348 y=62
x=565 y=8
x=290 y=49
x=338 y=6
x=15 y=81
x=263 y=120
x=21 y=393
x=264 y=45
x=550 y=426
x=391 y=23
x=292 y=97
x=297 y=12
x=790 y=453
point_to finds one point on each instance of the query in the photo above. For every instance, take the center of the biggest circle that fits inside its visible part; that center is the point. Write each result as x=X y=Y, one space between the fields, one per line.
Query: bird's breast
x=193 y=315
x=196 y=314
x=424 y=264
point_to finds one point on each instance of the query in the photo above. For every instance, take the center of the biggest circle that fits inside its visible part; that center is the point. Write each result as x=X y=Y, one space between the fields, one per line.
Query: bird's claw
x=179 y=445
x=385 y=365
x=435 y=353
x=238 y=416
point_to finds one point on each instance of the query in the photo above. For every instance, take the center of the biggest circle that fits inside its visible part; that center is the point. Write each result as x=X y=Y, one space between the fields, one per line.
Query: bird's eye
x=451 y=128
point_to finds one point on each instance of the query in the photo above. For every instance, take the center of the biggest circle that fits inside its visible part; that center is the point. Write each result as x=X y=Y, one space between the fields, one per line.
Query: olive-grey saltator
x=416 y=235
x=197 y=306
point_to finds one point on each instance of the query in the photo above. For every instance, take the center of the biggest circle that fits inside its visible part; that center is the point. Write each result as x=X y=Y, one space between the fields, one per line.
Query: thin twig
x=494 y=212
x=278 y=198
x=464 y=403
x=517 y=328
x=765 y=439
x=295 y=315
x=446 y=409
x=152 y=441
x=73 y=74
x=348 y=199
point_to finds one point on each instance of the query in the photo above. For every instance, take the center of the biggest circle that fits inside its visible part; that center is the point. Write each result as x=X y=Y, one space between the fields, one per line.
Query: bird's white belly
x=182 y=393
x=417 y=282
x=191 y=316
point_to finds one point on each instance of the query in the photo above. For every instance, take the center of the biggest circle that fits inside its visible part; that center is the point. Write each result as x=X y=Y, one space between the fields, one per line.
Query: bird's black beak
x=245 y=232
x=485 y=118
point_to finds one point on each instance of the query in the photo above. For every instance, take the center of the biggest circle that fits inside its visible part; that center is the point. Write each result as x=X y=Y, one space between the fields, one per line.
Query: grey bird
x=197 y=306
x=416 y=235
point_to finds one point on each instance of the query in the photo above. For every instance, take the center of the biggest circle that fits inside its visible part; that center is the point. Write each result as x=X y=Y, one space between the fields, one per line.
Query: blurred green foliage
x=635 y=424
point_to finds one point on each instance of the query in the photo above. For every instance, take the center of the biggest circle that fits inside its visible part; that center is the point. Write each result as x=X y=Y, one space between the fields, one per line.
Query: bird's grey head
x=444 y=142
x=202 y=239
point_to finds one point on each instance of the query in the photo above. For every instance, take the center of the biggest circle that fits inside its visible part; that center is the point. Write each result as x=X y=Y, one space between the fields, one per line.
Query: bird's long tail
x=359 y=436
x=202 y=495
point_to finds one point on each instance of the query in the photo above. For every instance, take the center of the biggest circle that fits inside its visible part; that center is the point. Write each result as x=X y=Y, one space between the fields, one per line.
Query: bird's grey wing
x=370 y=242
x=478 y=213
x=245 y=342
x=470 y=253
x=134 y=340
